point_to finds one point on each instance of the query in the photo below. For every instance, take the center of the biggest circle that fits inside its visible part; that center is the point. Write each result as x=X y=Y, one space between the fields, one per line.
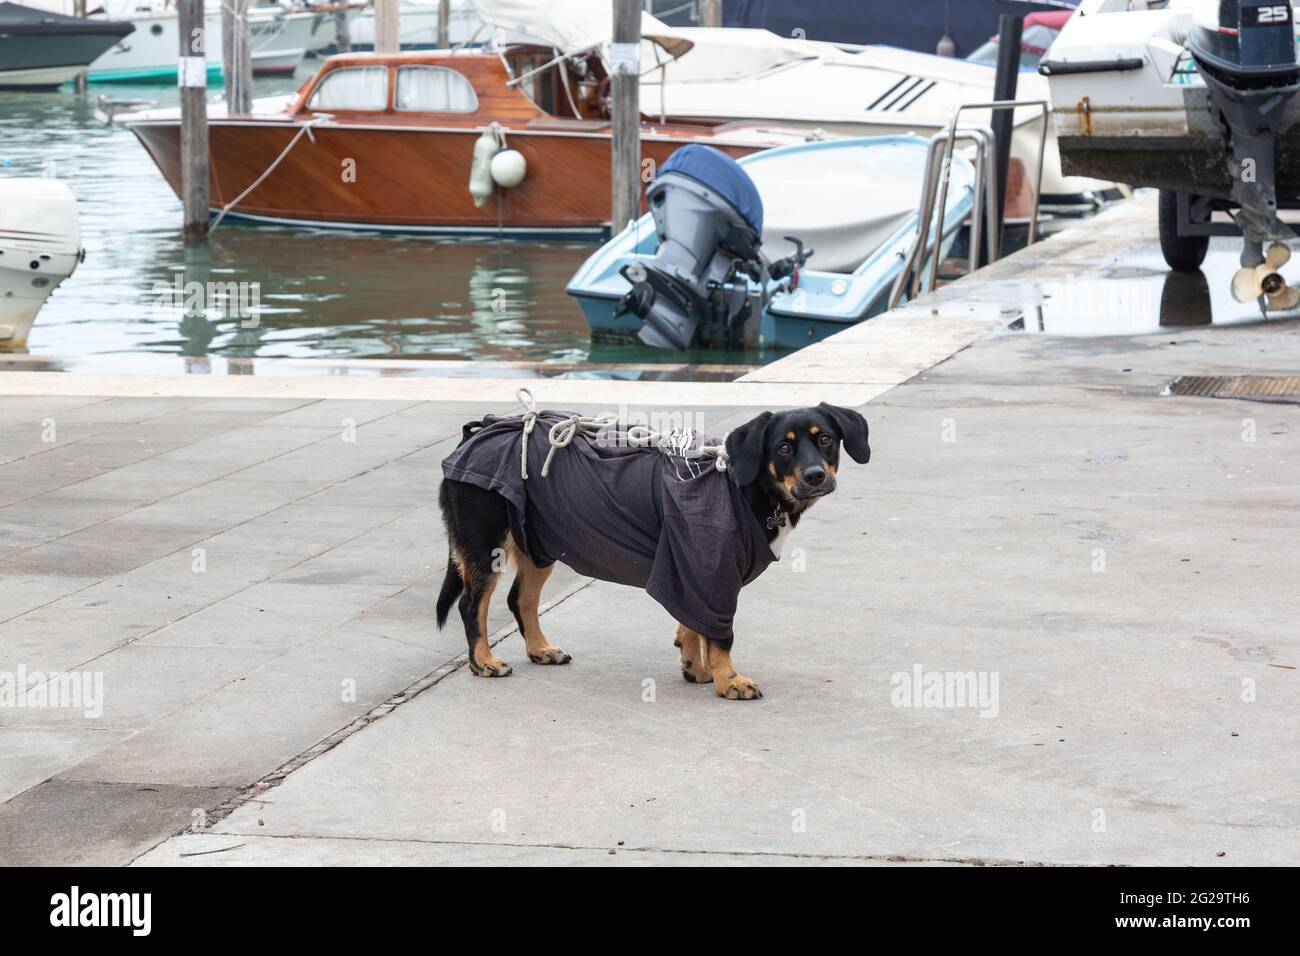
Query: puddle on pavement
x=1141 y=295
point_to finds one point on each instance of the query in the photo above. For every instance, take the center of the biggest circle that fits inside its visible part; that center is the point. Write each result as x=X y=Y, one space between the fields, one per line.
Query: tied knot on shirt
x=676 y=443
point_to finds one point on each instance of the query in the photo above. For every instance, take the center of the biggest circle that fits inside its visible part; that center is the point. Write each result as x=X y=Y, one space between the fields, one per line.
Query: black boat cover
x=914 y=25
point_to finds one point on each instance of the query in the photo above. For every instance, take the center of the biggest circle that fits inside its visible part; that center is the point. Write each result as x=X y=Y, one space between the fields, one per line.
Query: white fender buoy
x=480 y=167
x=509 y=168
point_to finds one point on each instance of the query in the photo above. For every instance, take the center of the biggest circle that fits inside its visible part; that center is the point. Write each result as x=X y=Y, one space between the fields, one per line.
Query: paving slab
x=249 y=727
x=31 y=755
x=62 y=823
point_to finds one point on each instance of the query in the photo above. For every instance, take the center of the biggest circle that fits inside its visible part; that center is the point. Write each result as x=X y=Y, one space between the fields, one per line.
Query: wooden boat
x=387 y=142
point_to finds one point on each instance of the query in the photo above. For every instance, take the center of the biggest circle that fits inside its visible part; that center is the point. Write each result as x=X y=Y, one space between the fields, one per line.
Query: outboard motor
x=1247 y=57
x=709 y=219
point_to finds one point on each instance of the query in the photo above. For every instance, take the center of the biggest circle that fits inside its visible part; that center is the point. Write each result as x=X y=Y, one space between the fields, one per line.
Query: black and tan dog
x=692 y=544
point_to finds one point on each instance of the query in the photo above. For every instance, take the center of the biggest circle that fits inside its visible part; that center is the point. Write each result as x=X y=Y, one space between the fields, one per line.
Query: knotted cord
x=673 y=443
x=304 y=128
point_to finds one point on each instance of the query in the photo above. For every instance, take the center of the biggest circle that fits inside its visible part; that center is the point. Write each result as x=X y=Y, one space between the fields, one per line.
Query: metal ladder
x=984 y=211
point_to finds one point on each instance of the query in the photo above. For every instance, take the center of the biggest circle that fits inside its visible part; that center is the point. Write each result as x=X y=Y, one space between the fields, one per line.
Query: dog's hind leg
x=726 y=681
x=479 y=583
x=524 y=598
x=477 y=528
x=694 y=668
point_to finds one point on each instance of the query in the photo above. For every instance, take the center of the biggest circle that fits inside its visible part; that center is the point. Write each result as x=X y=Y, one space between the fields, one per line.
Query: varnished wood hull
x=409 y=179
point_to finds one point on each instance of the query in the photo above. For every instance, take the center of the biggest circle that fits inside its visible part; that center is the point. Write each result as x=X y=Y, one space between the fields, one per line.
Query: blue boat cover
x=715 y=169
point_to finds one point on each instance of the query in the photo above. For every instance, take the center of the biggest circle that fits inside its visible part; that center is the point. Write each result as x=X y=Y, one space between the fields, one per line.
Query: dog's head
x=797 y=452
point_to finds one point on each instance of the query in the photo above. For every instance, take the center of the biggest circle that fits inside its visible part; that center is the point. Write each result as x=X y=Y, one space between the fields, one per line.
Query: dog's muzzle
x=814 y=483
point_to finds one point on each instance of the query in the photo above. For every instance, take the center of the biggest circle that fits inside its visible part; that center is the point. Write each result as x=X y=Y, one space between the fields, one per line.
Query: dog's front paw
x=549 y=654
x=694 y=671
x=736 y=687
x=490 y=667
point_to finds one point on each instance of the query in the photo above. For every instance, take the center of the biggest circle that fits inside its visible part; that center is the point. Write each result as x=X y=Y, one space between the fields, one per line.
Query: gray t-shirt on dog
x=673 y=525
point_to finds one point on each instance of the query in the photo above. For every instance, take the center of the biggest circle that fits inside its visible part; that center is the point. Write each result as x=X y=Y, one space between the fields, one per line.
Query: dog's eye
x=784 y=448
x=824 y=439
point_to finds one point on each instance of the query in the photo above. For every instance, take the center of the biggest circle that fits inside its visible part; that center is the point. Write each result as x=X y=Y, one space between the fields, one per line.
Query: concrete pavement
x=240 y=577
x=1051 y=622
x=1109 y=560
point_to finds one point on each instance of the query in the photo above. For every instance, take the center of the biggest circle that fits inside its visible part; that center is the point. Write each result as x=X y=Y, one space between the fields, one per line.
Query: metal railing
x=984 y=211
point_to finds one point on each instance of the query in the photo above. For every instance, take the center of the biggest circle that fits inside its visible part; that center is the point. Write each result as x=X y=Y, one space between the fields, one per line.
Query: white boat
x=1202 y=101
x=735 y=73
x=417 y=27
x=279 y=41
x=324 y=29
x=40 y=246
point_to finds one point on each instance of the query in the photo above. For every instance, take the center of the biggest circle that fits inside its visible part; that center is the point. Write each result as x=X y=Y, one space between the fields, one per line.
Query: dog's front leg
x=694 y=668
x=726 y=681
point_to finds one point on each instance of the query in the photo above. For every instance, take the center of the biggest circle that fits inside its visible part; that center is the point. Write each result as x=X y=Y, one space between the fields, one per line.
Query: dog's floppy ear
x=745 y=449
x=853 y=431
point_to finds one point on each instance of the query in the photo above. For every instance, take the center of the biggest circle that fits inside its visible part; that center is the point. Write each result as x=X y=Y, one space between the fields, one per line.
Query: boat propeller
x=1252 y=282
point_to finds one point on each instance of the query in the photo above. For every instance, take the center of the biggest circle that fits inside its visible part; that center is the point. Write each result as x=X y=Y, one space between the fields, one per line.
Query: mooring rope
x=304 y=128
x=673 y=443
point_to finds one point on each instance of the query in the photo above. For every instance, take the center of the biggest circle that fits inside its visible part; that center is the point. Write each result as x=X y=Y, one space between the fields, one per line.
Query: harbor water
x=316 y=293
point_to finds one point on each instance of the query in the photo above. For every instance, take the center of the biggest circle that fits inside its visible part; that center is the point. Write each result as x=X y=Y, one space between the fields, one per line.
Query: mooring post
x=1010 y=29
x=710 y=13
x=386 y=26
x=444 y=24
x=342 y=32
x=192 y=77
x=236 y=57
x=79 y=10
x=625 y=114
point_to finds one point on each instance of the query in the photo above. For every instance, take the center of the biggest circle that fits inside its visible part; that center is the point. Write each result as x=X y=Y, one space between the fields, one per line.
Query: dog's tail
x=451 y=588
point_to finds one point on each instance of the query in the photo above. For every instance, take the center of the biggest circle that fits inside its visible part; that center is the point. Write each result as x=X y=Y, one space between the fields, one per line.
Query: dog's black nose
x=814 y=476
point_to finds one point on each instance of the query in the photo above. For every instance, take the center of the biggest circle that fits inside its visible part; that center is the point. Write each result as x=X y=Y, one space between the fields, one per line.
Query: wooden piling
x=625 y=114
x=79 y=10
x=342 y=32
x=444 y=24
x=710 y=13
x=192 y=77
x=387 y=29
x=236 y=57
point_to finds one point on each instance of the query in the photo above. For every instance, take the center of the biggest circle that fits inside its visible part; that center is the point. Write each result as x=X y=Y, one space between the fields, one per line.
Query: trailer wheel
x=1182 y=253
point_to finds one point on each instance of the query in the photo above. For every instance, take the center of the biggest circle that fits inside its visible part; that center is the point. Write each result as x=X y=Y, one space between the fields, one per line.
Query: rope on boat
x=562 y=433
x=304 y=129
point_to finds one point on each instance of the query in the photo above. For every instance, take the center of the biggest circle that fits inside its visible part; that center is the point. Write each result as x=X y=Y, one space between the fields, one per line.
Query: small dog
x=690 y=535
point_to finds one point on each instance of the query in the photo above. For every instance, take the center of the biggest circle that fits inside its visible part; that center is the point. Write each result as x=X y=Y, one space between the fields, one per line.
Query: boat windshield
x=352 y=88
x=1032 y=47
x=434 y=89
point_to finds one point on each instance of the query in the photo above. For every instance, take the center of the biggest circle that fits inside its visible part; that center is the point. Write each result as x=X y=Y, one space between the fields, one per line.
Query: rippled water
x=322 y=293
